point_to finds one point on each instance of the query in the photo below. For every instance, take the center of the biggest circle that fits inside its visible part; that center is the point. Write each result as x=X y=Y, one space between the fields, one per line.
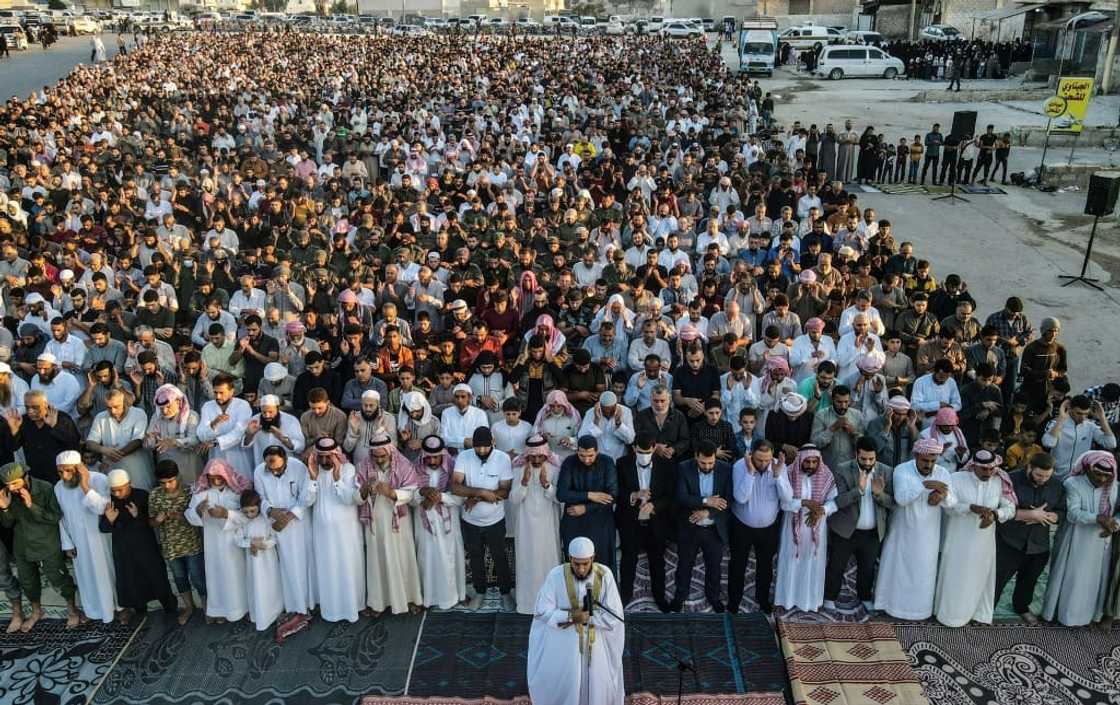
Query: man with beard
x=83 y=495
x=61 y=388
x=537 y=527
x=807 y=493
x=611 y=423
x=257 y=350
x=141 y=573
x=387 y=482
x=459 y=421
x=117 y=435
x=484 y=476
x=67 y=349
x=587 y=486
x=439 y=539
x=213 y=314
x=704 y=490
x=43 y=433
x=967 y=574
x=295 y=346
x=221 y=427
x=287 y=494
x=644 y=514
x=272 y=427
x=362 y=426
x=415 y=422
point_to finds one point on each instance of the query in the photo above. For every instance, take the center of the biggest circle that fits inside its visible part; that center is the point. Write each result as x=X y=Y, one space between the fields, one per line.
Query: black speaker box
x=964 y=123
x=1104 y=186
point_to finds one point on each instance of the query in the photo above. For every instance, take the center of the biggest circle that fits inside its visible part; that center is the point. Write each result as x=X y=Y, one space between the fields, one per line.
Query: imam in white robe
x=560 y=672
x=536 y=545
x=226 y=594
x=108 y=432
x=337 y=535
x=392 y=576
x=908 y=562
x=801 y=567
x=262 y=572
x=966 y=579
x=439 y=547
x=80 y=531
x=294 y=543
x=228 y=435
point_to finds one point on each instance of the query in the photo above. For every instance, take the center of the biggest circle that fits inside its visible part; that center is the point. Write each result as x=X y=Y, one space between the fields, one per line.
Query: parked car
x=565 y=24
x=841 y=61
x=15 y=36
x=858 y=36
x=676 y=28
x=808 y=36
x=496 y=24
x=408 y=30
x=614 y=26
x=653 y=25
x=84 y=24
x=590 y=25
x=941 y=33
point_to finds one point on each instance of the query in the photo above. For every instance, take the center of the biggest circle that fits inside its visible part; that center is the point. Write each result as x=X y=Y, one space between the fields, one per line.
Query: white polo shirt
x=484 y=476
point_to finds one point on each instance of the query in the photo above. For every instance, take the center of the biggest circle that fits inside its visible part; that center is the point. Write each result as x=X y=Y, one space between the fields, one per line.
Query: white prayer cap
x=581 y=547
x=68 y=457
x=48 y=358
x=35 y=298
x=462 y=388
x=66 y=274
x=270 y=400
x=371 y=395
x=118 y=478
x=275 y=372
x=608 y=399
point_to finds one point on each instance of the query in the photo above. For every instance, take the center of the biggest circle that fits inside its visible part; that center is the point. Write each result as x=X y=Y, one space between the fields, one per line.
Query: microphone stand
x=682 y=664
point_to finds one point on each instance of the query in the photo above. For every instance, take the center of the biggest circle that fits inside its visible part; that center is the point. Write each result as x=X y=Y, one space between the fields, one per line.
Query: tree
x=341 y=7
x=58 y=5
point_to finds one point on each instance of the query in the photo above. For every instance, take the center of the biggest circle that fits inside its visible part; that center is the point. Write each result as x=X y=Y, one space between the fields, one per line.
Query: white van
x=758 y=43
x=809 y=36
x=563 y=22
x=838 y=62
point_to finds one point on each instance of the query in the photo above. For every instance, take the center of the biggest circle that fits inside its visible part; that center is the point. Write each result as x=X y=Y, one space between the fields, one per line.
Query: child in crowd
x=262 y=574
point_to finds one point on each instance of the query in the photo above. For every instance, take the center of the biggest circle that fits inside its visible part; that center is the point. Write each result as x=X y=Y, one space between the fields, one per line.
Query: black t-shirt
x=696 y=384
x=987 y=142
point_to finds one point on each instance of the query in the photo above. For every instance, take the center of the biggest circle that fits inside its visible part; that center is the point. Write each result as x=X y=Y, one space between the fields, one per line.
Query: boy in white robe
x=83 y=496
x=966 y=579
x=575 y=657
x=216 y=497
x=532 y=498
x=439 y=538
x=262 y=573
x=807 y=493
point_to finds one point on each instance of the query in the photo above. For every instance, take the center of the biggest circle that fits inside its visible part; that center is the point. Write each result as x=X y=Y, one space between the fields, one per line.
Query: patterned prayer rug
x=56 y=666
x=905 y=189
x=848 y=664
x=234 y=664
x=1014 y=664
x=477 y=657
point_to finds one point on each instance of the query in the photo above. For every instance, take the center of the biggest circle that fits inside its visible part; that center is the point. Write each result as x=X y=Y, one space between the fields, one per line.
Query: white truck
x=758 y=45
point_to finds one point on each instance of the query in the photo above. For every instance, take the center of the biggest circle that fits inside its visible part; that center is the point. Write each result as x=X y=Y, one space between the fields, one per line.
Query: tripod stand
x=1085 y=263
x=682 y=664
x=952 y=195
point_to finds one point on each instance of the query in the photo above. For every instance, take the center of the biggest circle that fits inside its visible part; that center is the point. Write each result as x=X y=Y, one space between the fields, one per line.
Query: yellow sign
x=1076 y=92
x=1054 y=107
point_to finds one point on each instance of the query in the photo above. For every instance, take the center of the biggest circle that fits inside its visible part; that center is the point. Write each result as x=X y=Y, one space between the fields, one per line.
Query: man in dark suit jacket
x=704 y=495
x=669 y=429
x=644 y=513
x=863 y=499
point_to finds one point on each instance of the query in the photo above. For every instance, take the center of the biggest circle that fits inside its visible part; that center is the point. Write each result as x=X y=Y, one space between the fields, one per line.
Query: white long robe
x=1078 y=584
x=227 y=436
x=801 y=568
x=108 y=432
x=227 y=596
x=392 y=576
x=511 y=440
x=966 y=580
x=262 y=572
x=79 y=531
x=337 y=535
x=558 y=673
x=289 y=426
x=439 y=550
x=294 y=543
x=908 y=562
x=537 y=541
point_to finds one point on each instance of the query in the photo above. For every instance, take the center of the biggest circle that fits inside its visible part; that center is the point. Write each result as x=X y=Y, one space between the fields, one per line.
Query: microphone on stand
x=588 y=601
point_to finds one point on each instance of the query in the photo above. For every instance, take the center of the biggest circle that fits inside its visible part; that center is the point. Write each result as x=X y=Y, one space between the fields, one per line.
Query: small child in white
x=266 y=601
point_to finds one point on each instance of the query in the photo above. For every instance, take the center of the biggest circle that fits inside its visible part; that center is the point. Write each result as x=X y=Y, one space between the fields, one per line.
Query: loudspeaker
x=1104 y=187
x=964 y=123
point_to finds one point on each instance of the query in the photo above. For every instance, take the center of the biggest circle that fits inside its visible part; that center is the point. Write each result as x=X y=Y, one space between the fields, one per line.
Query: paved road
x=29 y=70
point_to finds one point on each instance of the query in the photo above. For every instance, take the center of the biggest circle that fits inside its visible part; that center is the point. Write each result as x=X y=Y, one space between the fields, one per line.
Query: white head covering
x=275 y=372
x=118 y=478
x=461 y=387
x=581 y=547
x=371 y=395
x=270 y=400
x=411 y=401
x=68 y=457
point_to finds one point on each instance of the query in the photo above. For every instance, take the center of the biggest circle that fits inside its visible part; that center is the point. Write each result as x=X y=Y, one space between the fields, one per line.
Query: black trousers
x=964 y=171
x=690 y=540
x=983 y=162
x=764 y=541
x=1001 y=162
x=932 y=160
x=864 y=544
x=1025 y=567
x=949 y=168
x=633 y=541
x=478 y=538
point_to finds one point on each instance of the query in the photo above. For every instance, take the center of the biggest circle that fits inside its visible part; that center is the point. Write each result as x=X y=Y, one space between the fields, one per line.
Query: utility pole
x=1110 y=55
x=910 y=31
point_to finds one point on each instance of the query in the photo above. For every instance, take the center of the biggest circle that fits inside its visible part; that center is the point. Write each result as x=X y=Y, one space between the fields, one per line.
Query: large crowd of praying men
x=313 y=327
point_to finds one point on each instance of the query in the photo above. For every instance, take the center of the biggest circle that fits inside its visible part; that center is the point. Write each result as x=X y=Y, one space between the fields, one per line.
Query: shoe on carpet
x=474 y=602
x=508 y=603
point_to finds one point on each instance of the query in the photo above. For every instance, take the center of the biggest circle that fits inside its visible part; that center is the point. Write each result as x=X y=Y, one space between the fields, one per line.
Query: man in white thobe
x=575 y=656
x=966 y=579
x=221 y=426
x=83 y=496
x=807 y=493
x=439 y=538
x=908 y=562
x=272 y=427
x=387 y=482
x=336 y=533
x=610 y=423
x=117 y=434
x=532 y=497
x=458 y=421
x=284 y=485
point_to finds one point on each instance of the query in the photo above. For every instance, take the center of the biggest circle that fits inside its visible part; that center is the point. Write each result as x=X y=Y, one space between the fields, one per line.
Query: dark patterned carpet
x=53 y=666
x=472 y=655
x=233 y=664
x=1014 y=664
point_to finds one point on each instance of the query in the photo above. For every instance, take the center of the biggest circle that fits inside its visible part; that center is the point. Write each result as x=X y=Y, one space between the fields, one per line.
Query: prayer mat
x=1014 y=664
x=848 y=664
x=234 y=664
x=56 y=666
x=476 y=657
x=981 y=189
x=848 y=606
x=904 y=189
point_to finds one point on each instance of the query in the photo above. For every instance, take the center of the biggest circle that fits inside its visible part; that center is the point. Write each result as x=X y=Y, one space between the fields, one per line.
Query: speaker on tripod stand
x=1104 y=187
x=964 y=128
